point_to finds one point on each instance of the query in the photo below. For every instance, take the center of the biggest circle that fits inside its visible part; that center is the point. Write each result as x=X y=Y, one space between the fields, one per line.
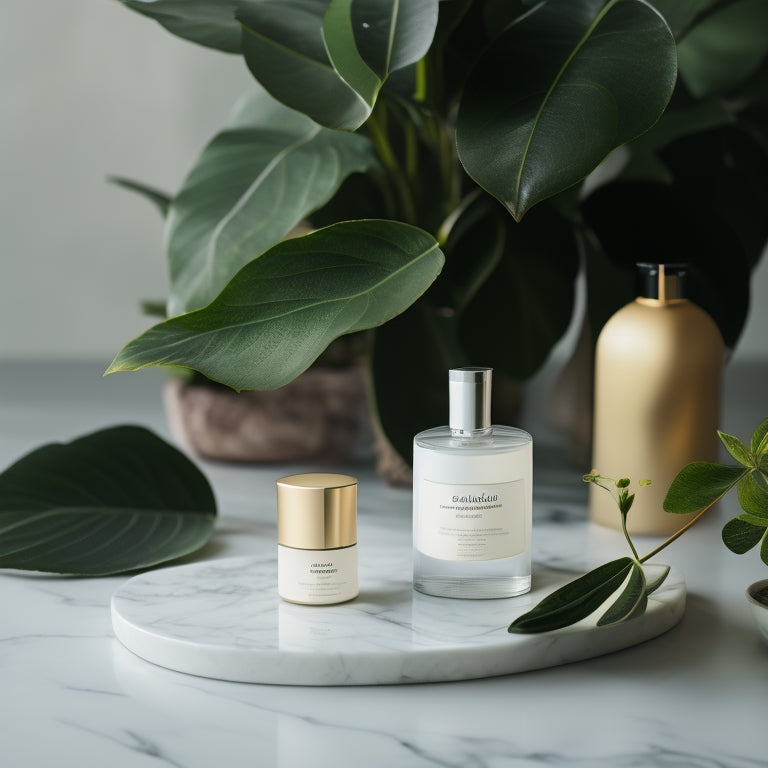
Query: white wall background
x=89 y=89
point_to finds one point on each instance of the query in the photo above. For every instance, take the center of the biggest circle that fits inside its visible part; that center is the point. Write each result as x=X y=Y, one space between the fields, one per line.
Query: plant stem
x=678 y=534
x=627 y=537
x=377 y=126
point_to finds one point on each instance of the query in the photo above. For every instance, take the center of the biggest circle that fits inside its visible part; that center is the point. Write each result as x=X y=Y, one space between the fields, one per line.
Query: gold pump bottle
x=658 y=372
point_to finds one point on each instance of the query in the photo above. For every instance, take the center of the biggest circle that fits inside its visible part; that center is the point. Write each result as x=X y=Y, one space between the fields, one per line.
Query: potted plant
x=458 y=164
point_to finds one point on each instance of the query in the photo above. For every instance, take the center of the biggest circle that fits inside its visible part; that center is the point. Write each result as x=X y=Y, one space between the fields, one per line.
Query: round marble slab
x=223 y=619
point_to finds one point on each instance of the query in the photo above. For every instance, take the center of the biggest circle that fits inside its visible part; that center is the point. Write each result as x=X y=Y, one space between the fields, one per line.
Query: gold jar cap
x=317 y=510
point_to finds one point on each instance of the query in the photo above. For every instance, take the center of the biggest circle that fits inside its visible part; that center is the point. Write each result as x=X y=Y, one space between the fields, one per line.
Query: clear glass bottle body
x=472 y=511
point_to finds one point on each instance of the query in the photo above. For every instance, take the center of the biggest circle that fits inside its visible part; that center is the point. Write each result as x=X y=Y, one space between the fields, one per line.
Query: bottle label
x=471 y=522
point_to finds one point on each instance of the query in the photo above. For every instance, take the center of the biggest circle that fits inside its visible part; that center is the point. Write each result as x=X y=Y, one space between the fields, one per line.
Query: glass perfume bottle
x=472 y=498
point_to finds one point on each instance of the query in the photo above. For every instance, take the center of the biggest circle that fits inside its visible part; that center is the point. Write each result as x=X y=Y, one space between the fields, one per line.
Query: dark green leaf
x=248 y=189
x=753 y=496
x=530 y=293
x=160 y=199
x=736 y=448
x=764 y=550
x=284 y=49
x=557 y=91
x=680 y=14
x=206 y=22
x=633 y=218
x=112 y=501
x=759 y=442
x=740 y=536
x=576 y=600
x=424 y=341
x=391 y=34
x=282 y=310
x=724 y=47
x=631 y=600
x=700 y=485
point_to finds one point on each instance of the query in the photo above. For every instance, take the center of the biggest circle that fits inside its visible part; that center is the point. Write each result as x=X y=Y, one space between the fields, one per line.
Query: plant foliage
x=528 y=140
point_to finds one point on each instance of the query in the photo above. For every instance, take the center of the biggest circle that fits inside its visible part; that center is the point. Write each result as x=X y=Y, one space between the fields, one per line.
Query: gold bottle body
x=658 y=379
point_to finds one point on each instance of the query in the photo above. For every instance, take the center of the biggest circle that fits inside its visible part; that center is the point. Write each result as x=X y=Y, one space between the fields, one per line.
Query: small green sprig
x=696 y=489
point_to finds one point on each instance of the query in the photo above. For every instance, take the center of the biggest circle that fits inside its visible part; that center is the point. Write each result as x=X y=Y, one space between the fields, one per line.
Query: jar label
x=471 y=522
x=317 y=576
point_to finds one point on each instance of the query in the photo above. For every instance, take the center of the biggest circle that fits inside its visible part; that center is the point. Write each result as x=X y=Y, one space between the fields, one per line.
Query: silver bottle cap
x=469 y=395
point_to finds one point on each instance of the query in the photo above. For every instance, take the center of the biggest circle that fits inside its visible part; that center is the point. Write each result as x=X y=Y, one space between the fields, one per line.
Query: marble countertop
x=697 y=695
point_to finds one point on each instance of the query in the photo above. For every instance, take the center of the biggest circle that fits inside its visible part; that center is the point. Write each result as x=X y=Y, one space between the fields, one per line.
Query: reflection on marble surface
x=223 y=619
x=694 y=696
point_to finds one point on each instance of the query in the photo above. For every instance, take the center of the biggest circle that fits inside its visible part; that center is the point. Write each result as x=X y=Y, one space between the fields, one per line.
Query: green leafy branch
x=696 y=489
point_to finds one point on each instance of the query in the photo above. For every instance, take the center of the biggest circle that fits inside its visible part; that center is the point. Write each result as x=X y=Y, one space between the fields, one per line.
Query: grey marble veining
x=693 y=696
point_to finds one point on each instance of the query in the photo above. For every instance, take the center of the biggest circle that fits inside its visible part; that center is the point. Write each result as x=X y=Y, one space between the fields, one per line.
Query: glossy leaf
x=249 y=188
x=392 y=34
x=576 y=600
x=284 y=49
x=724 y=47
x=699 y=485
x=681 y=14
x=630 y=602
x=115 y=500
x=528 y=297
x=541 y=110
x=753 y=496
x=159 y=199
x=206 y=22
x=632 y=219
x=736 y=448
x=282 y=310
x=740 y=536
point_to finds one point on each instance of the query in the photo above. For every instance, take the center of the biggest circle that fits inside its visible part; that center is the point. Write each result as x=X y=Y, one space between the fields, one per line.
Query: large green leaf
x=576 y=600
x=631 y=219
x=207 y=22
x=330 y=59
x=392 y=34
x=699 y=485
x=725 y=47
x=557 y=91
x=759 y=441
x=285 y=51
x=528 y=297
x=114 y=500
x=248 y=189
x=282 y=310
x=681 y=14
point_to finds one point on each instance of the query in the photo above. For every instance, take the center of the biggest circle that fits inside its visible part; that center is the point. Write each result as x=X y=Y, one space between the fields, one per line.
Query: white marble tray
x=223 y=619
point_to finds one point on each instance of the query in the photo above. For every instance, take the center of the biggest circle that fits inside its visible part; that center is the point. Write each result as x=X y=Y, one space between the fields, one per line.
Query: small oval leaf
x=699 y=485
x=759 y=442
x=112 y=501
x=282 y=309
x=740 y=536
x=753 y=496
x=736 y=448
x=574 y=601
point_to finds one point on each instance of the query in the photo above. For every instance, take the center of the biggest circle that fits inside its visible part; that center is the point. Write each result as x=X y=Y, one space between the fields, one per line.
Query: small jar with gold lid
x=317 y=538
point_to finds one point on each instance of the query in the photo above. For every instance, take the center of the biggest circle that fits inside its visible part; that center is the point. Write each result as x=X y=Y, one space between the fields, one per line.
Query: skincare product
x=472 y=499
x=317 y=538
x=658 y=366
